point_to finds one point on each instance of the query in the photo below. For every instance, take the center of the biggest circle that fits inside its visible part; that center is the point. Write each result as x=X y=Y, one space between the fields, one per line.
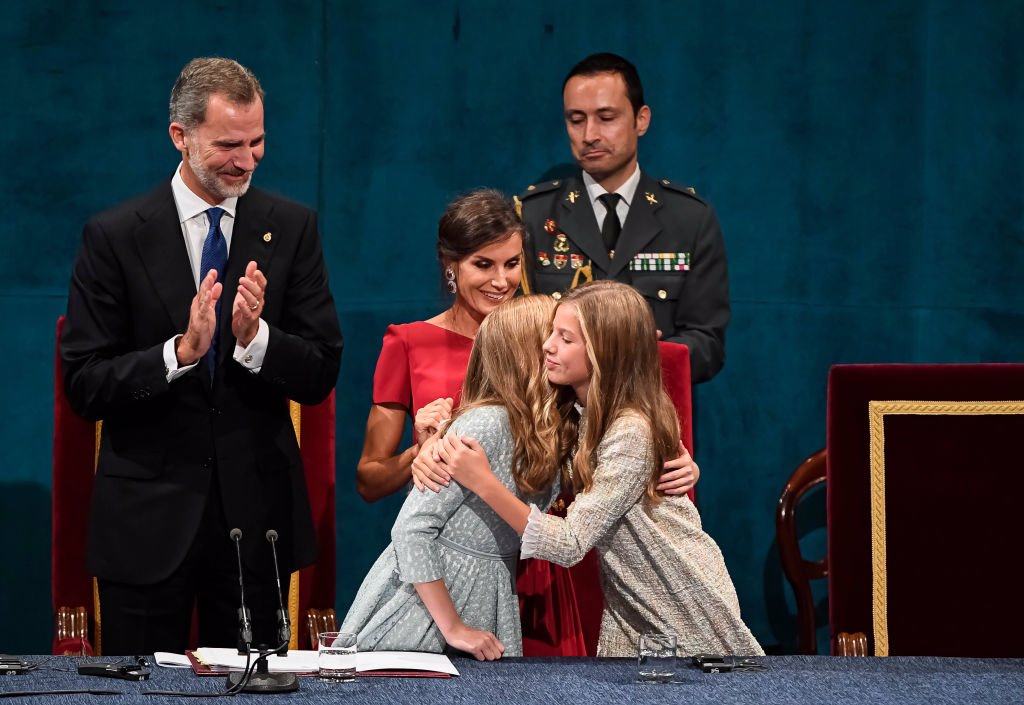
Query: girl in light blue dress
x=448 y=577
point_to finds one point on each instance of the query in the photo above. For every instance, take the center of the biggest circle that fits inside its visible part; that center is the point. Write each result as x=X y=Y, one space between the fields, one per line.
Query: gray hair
x=203 y=77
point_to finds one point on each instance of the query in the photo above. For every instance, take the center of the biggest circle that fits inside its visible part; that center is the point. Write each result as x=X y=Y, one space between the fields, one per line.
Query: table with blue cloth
x=585 y=681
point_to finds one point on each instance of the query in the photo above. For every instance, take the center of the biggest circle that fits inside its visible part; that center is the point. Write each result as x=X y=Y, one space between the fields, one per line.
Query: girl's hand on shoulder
x=465 y=461
x=427 y=471
x=429 y=418
x=483 y=645
x=680 y=475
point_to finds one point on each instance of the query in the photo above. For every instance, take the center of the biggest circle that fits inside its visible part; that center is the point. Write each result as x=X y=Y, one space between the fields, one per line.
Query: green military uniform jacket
x=670 y=250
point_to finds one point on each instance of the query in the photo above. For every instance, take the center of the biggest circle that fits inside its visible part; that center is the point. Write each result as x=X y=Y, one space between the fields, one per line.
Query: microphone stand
x=263 y=681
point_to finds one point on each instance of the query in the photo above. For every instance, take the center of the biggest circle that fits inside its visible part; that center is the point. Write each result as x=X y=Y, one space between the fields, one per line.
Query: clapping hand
x=248 y=305
x=202 y=321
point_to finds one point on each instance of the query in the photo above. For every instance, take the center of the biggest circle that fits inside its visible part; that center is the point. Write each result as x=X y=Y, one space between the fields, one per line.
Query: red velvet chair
x=75 y=600
x=925 y=480
x=675 y=370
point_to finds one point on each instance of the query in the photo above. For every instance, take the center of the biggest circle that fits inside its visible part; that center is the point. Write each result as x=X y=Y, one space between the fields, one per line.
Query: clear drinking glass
x=656 y=661
x=336 y=656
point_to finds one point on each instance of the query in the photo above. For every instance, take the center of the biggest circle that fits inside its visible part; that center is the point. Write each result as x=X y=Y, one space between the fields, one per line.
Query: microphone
x=284 y=626
x=244 y=617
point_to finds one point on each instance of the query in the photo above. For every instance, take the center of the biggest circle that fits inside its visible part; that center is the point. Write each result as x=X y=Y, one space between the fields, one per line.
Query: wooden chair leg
x=855 y=644
x=72 y=632
x=319 y=621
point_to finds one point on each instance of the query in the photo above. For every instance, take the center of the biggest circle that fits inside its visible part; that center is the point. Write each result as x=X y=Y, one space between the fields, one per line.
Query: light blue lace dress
x=452 y=535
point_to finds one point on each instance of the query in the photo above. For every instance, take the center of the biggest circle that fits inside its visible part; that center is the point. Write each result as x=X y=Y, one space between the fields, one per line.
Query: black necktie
x=612 y=227
x=215 y=256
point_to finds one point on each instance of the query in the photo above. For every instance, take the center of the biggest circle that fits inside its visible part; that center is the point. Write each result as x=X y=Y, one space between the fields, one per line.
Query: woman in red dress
x=419 y=374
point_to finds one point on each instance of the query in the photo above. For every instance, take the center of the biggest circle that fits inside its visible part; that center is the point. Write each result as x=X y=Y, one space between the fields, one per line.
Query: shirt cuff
x=171 y=367
x=532 y=533
x=251 y=357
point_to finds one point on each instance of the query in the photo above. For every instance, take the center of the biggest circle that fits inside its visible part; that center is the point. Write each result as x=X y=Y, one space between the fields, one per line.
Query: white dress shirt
x=627 y=191
x=195 y=224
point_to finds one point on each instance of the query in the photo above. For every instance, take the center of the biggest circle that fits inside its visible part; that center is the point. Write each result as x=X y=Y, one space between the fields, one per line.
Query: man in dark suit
x=613 y=221
x=195 y=312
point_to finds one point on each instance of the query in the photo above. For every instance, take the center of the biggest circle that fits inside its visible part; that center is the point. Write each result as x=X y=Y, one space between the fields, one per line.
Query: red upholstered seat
x=77 y=609
x=925 y=480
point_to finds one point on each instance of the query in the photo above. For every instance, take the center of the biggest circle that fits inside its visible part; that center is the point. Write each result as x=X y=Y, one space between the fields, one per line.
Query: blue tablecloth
x=789 y=679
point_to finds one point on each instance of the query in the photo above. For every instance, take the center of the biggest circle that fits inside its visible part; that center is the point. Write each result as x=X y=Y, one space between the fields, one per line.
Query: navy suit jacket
x=131 y=290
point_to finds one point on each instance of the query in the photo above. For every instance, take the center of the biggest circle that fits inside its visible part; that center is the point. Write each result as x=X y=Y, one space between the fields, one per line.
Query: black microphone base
x=265 y=682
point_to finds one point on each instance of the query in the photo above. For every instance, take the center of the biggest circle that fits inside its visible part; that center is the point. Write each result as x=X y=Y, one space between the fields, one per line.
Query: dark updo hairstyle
x=475 y=220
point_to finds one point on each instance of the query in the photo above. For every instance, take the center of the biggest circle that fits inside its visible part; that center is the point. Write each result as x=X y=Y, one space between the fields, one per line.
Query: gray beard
x=214 y=185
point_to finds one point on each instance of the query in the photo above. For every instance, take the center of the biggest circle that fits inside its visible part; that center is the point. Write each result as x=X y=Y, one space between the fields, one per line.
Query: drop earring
x=449 y=274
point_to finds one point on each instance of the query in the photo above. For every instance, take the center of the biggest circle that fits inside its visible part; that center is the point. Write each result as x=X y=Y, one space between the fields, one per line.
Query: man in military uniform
x=613 y=221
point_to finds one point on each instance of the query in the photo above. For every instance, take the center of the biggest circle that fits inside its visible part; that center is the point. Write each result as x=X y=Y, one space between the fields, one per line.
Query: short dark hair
x=606 y=62
x=474 y=220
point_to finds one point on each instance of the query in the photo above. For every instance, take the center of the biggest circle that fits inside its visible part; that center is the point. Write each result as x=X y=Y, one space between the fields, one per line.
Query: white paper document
x=306 y=661
x=169 y=660
x=404 y=661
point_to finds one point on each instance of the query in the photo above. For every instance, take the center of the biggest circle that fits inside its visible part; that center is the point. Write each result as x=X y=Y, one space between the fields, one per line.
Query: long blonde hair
x=506 y=367
x=622 y=346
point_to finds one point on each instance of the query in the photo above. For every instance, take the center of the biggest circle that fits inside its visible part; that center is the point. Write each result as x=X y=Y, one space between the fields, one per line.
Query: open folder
x=401 y=664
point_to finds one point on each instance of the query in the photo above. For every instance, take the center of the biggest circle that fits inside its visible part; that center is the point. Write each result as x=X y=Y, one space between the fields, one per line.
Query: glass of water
x=336 y=656
x=656 y=662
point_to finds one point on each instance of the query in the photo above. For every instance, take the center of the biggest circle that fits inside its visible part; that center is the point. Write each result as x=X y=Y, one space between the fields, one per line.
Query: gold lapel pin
x=267 y=237
x=650 y=198
x=573 y=195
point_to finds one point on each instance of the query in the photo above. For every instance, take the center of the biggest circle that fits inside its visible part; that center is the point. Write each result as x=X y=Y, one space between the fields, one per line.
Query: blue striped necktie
x=215 y=256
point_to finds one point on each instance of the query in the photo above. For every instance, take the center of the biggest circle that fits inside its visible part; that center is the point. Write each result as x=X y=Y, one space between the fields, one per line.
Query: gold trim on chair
x=877 y=411
x=295 y=411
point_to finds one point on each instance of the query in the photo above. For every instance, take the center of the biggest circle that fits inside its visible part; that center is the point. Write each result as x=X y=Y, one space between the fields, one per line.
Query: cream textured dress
x=659 y=571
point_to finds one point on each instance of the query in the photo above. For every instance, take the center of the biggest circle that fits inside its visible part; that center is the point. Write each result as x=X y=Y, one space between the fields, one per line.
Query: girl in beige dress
x=659 y=571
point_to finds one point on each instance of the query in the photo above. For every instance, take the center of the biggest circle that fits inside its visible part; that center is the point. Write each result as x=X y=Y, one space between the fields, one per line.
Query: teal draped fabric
x=865 y=160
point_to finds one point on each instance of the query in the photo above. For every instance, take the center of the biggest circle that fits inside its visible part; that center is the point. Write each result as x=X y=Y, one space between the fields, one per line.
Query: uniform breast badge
x=542 y=257
x=561 y=243
x=560 y=261
x=575 y=261
x=550 y=225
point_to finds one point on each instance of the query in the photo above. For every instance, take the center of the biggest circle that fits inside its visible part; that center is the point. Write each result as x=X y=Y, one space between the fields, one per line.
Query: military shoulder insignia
x=536 y=189
x=680 y=188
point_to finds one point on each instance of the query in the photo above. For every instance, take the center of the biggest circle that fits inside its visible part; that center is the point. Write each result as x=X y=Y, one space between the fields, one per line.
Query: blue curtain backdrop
x=865 y=160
